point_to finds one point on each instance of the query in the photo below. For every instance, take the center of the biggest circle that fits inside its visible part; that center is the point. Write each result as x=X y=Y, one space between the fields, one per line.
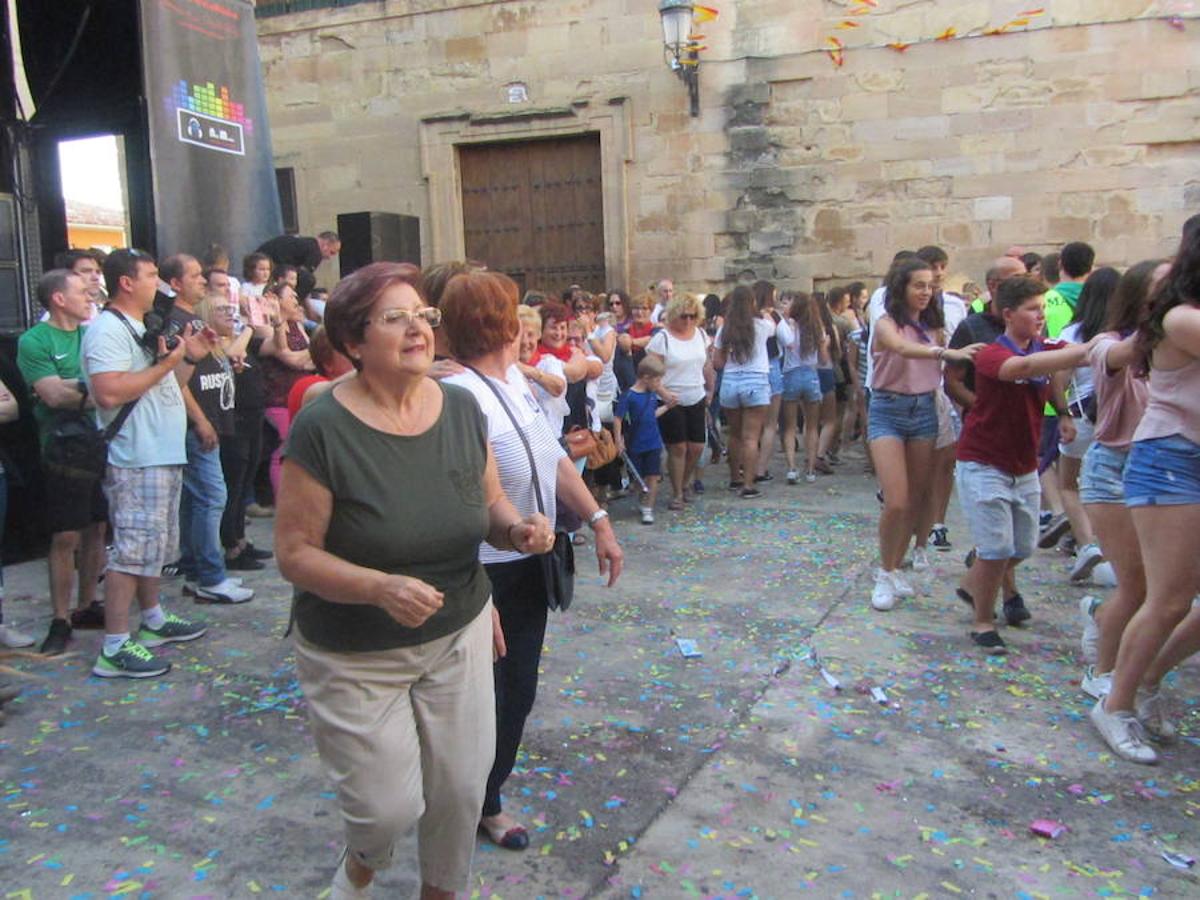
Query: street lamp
x=681 y=52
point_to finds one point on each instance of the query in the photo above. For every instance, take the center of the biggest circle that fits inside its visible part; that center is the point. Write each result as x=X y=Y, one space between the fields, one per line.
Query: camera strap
x=115 y=425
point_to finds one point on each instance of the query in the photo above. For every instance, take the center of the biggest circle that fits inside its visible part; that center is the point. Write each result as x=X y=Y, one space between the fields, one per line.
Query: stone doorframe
x=442 y=134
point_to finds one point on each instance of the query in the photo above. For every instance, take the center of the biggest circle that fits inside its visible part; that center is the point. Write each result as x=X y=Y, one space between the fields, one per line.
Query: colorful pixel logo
x=206 y=117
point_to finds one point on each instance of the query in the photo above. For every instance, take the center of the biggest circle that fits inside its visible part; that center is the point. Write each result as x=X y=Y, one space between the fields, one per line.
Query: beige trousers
x=407 y=737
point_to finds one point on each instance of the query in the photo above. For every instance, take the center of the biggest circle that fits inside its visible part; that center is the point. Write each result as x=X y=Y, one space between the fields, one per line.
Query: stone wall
x=1083 y=123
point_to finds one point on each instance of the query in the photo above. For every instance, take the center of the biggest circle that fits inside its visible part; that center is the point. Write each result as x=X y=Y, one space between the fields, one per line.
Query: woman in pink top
x=1120 y=401
x=901 y=418
x=1162 y=489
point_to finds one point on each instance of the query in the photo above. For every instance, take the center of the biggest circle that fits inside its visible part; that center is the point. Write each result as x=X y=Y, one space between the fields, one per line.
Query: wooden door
x=534 y=210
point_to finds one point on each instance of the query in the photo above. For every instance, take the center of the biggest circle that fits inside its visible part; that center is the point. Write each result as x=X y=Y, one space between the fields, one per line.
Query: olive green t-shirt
x=405 y=505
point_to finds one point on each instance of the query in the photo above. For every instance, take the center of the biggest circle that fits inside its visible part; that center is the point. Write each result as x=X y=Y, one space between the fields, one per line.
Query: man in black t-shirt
x=978 y=328
x=202 y=559
x=305 y=253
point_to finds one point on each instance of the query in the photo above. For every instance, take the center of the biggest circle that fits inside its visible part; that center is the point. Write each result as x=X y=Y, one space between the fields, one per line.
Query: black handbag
x=558 y=566
x=76 y=448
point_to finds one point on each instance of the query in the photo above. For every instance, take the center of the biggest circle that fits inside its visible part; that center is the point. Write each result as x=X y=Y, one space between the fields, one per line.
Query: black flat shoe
x=254 y=553
x=515 y=838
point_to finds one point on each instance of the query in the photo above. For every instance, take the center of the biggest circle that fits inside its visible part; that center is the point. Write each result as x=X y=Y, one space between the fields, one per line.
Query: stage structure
x=179 y=82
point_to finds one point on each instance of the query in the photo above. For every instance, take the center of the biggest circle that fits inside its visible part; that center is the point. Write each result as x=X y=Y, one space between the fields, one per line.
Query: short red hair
x=553 y=311
x=479 y=313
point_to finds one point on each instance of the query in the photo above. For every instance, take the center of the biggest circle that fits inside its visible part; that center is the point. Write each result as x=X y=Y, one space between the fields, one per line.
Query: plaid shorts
x=143 y=506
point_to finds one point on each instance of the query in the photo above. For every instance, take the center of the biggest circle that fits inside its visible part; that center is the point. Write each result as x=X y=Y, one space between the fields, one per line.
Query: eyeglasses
x=689 y=316
x=430 y=315
x=615 y=303
x=584 y=307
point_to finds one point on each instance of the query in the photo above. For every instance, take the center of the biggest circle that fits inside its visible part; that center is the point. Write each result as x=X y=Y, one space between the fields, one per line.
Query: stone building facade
x=831 y=132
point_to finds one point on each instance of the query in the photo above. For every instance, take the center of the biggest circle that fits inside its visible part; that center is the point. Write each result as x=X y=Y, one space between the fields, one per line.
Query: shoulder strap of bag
x=537 y=485
x=115 y=425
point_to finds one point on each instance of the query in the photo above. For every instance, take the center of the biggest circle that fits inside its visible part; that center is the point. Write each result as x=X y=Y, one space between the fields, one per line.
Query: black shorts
x=682 y=424
x=73 y=505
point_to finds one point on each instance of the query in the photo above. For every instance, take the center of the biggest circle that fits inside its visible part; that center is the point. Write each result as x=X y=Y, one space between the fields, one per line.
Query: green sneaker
x=131 y=661
x=174 y=630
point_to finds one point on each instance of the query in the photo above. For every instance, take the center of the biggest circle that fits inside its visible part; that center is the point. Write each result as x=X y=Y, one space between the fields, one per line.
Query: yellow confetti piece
x=953 y=888
x=254 y=888
x=23 y=894
x=67 y=879
x=126 y=887
x=35 y=858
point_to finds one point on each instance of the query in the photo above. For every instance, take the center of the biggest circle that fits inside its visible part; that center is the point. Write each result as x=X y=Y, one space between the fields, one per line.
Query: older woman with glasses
x=481 y=323
x=682 y=348
x=396 y=628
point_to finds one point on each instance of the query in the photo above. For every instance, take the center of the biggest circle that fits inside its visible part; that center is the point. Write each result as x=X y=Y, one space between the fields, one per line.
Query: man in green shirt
x=1075 y=261
x=76 y=511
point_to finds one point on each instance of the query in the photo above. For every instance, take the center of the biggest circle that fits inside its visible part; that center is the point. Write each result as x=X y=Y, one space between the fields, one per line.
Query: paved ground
x=738 y=774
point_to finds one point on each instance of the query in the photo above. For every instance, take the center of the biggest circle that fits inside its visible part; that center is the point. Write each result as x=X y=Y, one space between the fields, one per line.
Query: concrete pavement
x=645 y=774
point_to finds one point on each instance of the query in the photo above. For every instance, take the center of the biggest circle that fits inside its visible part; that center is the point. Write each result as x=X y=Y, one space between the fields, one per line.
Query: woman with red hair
x=480 y=320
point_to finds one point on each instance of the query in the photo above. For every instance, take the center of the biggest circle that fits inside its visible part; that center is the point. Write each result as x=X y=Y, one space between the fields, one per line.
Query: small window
x=285 y=182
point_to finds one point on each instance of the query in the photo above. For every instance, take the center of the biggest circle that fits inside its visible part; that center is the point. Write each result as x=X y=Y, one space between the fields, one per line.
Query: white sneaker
x=647 y=516
x=793 y=477
x=1154 y=713
x=883 y=597
x=1103 y=575
x=1096 y=685
x=810 y=477
x=1124 y=734
x=901 y=585
x=11 y=638
x=223 y=592
x=1089 y=641
x=1087 y=558
x=920 y=559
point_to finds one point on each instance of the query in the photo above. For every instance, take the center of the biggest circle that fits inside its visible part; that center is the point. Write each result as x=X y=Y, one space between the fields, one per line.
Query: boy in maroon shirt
x=997 y=454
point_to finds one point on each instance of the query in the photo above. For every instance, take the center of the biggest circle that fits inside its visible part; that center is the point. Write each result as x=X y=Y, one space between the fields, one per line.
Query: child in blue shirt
x=635 y=428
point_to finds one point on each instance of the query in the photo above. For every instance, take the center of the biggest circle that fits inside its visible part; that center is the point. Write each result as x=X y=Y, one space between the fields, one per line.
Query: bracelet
x=596 y=517
x=939 y=353
x=509 y=533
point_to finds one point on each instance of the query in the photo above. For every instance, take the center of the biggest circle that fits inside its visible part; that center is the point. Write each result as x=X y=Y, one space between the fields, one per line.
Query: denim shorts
x=1102 y=477
x=801 y=384
x=1078 y=448
x=828 y=381
x=909 y=417
x=742 y=388
x=775 y=376
x=1163 y=472
x=1001 y=510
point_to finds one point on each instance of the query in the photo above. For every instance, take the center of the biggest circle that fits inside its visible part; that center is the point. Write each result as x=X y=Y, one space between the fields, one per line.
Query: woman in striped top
x=480 y=319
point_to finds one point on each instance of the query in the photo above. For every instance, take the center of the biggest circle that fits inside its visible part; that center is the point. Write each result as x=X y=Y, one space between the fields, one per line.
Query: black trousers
x=519 y=594
x=239 y=459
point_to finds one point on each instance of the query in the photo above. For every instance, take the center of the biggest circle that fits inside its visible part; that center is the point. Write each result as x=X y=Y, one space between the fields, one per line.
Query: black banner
x=210 y=147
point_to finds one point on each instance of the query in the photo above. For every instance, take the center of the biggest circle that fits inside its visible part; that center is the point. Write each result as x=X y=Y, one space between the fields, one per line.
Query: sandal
x=676 y=504
x=515 y=838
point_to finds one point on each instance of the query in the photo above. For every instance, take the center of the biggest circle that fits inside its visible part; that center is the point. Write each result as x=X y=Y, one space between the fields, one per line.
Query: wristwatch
x=596 y=517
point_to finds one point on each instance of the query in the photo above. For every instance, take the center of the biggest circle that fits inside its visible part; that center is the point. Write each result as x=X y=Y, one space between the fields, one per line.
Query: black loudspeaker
x=369 y=237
